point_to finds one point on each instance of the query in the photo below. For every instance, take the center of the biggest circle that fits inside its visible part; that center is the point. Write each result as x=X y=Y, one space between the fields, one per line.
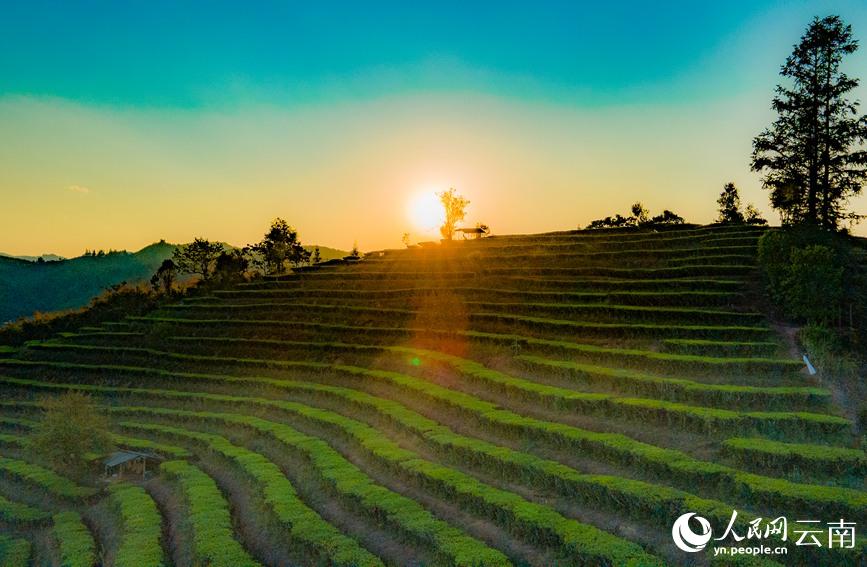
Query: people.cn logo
x=685 y=538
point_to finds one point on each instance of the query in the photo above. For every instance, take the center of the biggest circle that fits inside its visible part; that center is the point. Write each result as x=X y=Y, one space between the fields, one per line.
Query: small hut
x=475 y=232
x=127 y=462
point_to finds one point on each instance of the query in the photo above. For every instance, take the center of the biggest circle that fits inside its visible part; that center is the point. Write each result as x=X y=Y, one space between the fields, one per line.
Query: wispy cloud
x=79 y=189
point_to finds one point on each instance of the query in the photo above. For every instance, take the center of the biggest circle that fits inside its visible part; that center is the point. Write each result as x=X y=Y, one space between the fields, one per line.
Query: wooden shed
x=129 y=462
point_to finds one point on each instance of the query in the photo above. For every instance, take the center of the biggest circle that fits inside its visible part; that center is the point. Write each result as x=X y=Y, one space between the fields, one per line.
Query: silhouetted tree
x=617 y=221
x=639 y=218
x=665 y=218
x=729 y=202
x=354 y=252
x=812 y=156
x=753 y=216
x=164 y=277
x=230 y=266
x=640 y=213
x=197 y=257
x=455 y=208
x=405 y=239
x=279 y=247
x=317 y=256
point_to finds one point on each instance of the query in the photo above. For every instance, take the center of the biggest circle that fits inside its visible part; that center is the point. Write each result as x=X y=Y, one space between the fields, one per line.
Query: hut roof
x=121 y=457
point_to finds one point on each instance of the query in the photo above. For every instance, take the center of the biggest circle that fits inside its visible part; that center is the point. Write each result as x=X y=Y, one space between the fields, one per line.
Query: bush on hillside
x=828 y=350
x=819 y=278
x=813 y=284
x=640 y=218
x=617 y=221
x=812 y=275
x=231 y=267
x=666 y=218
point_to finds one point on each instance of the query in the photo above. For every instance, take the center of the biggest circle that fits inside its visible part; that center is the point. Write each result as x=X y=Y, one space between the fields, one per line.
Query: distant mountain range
x=45 y=257
x=27 y=285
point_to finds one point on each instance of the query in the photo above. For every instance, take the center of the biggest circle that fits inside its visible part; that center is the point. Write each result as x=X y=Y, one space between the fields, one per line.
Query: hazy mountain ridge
x=45 y=257
x=27 y=286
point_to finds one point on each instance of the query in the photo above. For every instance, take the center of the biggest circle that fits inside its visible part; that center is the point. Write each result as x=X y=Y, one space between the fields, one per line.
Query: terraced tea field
x=552 y=399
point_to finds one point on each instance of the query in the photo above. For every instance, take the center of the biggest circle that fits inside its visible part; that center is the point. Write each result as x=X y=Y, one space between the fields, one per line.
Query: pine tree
x=729 y=202
x=812 y=156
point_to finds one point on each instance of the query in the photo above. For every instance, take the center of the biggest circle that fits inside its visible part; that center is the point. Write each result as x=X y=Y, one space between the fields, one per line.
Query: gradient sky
x=125 y=122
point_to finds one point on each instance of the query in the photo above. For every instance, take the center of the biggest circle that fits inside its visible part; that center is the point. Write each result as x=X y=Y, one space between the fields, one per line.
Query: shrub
x=139 y=526
x=612 y=447
x=14 y=552
x=19 y=513
x=305 y=526
x=45 y=479
x=812 y=275
x=640 y=218
x=208 y=518
x=538 y=523
x=829 y=352
x=350 y=483
x=812 y=460
x=814 y=284
x=75 y=545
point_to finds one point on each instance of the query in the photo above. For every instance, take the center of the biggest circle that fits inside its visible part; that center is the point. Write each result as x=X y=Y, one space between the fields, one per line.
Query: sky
x=122 y=123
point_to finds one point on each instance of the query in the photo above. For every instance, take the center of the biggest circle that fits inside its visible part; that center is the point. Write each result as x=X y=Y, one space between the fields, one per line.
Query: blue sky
x=190 y=54
x=545 y=114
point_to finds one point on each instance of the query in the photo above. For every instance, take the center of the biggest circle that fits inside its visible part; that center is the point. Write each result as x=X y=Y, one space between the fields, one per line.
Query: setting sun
x=425 y=211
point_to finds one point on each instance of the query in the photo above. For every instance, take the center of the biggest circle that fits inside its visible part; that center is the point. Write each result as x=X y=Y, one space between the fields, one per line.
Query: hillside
x=50 y=286
x=26 y=287
x=530 y=400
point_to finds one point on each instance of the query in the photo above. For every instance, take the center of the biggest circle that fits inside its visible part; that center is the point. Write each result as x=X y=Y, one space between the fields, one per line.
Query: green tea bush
x=814 y=284
x=350 y=483
x=75 y=544
x=630 y=497
x=140 y=527
x=784 y=458
x=306 y=527
x=45 y=479
x=14 y=552
x=701 y=347
x=612 y=447
x=19 y=513
x=701 y=419
x=207 y=518
x=538 y=523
